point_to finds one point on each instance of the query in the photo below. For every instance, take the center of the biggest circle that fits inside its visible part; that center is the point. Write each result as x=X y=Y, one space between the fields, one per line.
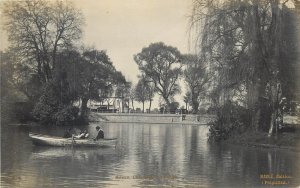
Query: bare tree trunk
x=122 y=104
x=108 y=104
x=253 y=105
x=150 y=105
x=275 y=39
x=258 y=82
x=132 y=104
x=143 y=106
x=272 y=124
x=84 y=108
x=167 y=103
x=195 y=105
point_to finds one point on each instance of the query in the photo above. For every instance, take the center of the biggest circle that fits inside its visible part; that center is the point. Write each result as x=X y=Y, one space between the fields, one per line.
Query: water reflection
x=172 y=155
x=80 y=154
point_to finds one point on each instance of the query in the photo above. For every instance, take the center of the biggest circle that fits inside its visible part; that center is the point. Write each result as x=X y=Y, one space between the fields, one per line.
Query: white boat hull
x=45 y=140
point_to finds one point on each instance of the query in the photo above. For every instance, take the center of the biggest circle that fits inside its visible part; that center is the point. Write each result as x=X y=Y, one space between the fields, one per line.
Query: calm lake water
x=146 y=155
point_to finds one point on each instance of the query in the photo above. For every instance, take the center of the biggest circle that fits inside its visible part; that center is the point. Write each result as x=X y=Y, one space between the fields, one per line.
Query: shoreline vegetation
x=288 y=140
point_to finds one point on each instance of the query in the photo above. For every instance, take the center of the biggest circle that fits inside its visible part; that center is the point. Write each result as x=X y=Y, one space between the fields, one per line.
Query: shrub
x=54 y=106
x=231 y=119
x=45 y=107
x=65 y=114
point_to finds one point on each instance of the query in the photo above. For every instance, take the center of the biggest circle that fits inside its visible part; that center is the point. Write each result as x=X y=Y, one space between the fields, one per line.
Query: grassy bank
x=286 y=140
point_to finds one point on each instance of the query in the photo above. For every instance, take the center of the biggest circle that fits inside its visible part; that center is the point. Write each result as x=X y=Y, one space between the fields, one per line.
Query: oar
x=73 y=140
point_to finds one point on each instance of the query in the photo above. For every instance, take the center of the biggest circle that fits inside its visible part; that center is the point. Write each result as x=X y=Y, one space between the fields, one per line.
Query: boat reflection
x=81 y=154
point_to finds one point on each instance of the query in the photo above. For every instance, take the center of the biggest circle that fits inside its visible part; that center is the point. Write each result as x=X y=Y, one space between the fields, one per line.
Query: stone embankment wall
x=150 y=118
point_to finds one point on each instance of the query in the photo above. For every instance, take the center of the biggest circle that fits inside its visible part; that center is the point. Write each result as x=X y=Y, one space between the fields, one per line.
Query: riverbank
x=150 y=118
x=286 y=140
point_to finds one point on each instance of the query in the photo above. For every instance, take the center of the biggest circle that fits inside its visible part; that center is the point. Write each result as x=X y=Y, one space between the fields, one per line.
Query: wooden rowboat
x=46 y=140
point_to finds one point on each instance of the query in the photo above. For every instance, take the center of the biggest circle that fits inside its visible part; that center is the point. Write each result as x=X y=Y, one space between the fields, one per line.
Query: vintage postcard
x=150 y=93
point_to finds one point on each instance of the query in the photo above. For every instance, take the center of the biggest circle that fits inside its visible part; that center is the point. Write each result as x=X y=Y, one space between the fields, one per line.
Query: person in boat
x=100 y=133
x=68 y=133
x=84 y=134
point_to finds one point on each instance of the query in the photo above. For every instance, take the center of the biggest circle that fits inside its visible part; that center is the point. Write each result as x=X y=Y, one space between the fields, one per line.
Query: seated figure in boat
x=84 y=134
x=68 y=133
x=100 y=133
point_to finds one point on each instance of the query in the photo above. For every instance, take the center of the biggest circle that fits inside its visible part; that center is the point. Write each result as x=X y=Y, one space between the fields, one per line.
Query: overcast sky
x=124 y=27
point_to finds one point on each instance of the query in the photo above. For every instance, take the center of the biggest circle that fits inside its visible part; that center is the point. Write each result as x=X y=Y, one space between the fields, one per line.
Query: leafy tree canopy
x=162 y=65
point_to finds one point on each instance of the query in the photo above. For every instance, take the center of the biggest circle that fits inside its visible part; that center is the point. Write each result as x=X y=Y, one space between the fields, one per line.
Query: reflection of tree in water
x=169 y=157
x=195 y=158
x=158 y=155
x=13 y=153
x=149 y=161
x=234 y=165
x=218 y=165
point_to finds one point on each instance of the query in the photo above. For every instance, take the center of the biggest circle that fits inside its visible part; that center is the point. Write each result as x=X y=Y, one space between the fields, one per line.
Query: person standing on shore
x=100 y=134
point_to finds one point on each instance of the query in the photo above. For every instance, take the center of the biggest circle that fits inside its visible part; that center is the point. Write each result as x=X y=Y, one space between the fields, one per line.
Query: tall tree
x=123 y=90
x=79 y=76
x=22 y=77
x=151 y=92
x=141 y=92
x=98 y=76
x=195 y=77
x=132 y=95
x=55 y=104
x=38 y=30
x=244 y=44
x=187 y=99
x=7 y=92
x=162 y=65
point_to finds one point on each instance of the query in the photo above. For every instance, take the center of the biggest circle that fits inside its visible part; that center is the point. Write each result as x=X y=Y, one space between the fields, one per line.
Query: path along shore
x=150 y=118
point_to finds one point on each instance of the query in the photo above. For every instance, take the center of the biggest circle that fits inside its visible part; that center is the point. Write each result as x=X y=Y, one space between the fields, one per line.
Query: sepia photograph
x=150 y=93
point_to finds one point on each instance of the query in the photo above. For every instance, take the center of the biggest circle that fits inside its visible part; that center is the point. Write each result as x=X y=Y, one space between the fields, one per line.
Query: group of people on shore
x=84 y=134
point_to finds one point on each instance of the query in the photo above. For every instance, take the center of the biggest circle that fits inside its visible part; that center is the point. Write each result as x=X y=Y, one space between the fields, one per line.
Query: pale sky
x=124 y=27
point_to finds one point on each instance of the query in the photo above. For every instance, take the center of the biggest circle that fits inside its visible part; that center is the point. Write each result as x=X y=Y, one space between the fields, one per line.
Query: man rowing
x=100 y=134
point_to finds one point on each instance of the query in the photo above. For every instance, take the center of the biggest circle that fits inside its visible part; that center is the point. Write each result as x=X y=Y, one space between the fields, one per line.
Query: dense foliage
x=57 y=78
x=195 y=78
x=144 y=91
x=162 y=65
x=231 y=119
x=250 y=49
x=52 y=101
